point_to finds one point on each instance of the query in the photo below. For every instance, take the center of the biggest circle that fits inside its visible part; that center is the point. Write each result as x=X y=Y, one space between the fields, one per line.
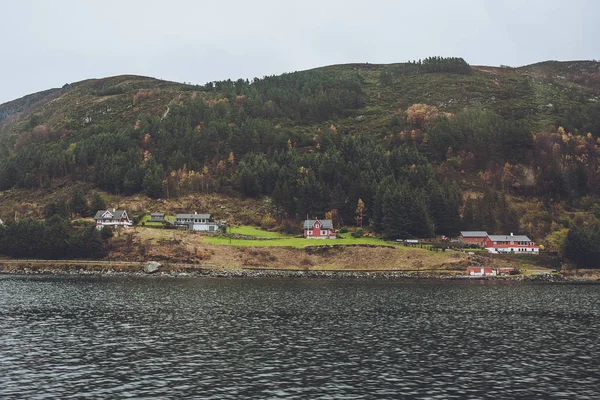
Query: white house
x=111 y=218
x=196 y=222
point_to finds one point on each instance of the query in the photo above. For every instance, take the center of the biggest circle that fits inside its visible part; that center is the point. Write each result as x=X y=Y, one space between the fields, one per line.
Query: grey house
x=196 y=222
x=157 y=217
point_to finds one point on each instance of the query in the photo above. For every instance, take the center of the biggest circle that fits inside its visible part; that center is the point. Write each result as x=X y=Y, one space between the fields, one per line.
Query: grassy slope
x=298 y=242
x=290 y=253
x=526 y=90
x=253 y=231
x=88 y=102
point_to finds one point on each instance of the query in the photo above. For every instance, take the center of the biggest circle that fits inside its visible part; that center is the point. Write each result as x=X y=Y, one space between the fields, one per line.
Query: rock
x=151 y=267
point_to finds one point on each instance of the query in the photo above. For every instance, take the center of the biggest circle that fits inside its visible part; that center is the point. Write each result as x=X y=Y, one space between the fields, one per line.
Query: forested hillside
x=430 y=147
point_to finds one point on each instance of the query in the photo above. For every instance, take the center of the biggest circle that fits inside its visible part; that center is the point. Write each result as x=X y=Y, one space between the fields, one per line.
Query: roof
x=190 y=216
x=325 y=223
x=160 y=214
x=509 y=238
x=117 y=214
x=473 y=233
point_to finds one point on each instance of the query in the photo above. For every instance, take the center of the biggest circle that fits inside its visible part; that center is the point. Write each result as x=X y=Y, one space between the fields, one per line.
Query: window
x=309 y=233
x=323 y=233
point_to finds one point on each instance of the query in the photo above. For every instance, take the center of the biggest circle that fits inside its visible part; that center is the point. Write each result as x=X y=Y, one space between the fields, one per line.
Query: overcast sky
x=46 y=44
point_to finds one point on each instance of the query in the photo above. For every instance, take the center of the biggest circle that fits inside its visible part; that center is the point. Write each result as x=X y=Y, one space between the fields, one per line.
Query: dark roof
x=509 y=238
x=194 y=216
x=473 y=233
x=325 y=223
x=117 y=214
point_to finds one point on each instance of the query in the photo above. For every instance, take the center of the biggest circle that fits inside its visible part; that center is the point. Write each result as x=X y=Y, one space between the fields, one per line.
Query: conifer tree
x=78 y=204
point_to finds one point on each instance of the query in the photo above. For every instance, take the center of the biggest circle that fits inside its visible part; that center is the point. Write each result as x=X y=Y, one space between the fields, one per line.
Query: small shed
x=474 y=237
x=157 y=217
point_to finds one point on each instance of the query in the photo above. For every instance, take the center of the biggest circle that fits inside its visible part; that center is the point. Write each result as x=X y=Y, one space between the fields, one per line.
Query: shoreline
x=73 y=269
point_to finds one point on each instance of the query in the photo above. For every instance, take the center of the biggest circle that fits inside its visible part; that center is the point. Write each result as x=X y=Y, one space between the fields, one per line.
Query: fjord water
x=147 y=337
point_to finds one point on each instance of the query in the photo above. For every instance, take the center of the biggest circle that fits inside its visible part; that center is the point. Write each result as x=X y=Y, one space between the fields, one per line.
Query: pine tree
x=97 y=203
x=78 y=204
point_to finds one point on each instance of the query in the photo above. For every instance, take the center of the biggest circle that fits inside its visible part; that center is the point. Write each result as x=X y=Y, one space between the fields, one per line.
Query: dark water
x=74 y=337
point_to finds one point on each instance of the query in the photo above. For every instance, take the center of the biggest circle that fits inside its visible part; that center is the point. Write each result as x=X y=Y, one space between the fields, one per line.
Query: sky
x=46 y=44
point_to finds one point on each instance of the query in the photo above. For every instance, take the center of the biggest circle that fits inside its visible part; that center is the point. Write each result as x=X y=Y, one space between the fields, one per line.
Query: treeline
x=353 y=168
x=53 y=239
x=304 y=97
x=483 y=135
x=582 y=246
x=491 y=213
x=449 y=65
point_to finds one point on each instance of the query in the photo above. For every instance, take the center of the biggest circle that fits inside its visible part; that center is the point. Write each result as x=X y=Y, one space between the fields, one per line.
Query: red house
x=111 y=218
x=475 y=237
x=318 y=229
x=516 y=244
x=481 y=271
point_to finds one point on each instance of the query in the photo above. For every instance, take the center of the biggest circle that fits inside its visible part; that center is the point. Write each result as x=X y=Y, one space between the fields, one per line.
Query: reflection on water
x=309 y=339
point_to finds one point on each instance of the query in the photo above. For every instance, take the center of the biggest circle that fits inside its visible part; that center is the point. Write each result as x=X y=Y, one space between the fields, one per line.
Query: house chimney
x=114 y=210
x=195 y=212
x=511 y=234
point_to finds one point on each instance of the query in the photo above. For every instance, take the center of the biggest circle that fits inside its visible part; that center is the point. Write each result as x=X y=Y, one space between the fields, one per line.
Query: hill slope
x=465 y=147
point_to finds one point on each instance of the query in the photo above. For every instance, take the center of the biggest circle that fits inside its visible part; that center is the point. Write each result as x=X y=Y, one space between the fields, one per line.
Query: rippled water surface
x=73 y=337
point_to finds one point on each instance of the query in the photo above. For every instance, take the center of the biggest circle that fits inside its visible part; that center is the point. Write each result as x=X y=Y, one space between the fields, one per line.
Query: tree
x=153 y=180
x=582 y=247
x=385 y=77
x=396 y=219
x=56 y=207
x=97 y=202
x=360 y=213
x=78 y=204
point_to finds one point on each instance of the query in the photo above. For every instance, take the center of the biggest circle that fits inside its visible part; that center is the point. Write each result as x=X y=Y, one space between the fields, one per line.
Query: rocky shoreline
x=225 y=272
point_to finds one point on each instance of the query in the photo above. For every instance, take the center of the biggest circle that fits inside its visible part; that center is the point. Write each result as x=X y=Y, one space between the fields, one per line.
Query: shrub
x=358 y=233
x=267 y=222
x=106 y=233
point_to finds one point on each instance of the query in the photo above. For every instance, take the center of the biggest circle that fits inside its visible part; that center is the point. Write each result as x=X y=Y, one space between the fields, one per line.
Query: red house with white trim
x=516 y=244
x=481 y=271
x=319 y=229
x=111 y=218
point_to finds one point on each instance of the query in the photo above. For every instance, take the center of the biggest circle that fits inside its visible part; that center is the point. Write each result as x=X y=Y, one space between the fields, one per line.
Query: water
x=99 y=337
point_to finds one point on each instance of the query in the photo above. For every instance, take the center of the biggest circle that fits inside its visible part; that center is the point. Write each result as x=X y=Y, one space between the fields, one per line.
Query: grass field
x=253 y=231
x=279 y=239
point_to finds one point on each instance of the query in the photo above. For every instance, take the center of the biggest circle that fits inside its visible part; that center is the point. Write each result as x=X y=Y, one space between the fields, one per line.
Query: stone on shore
x=151 y=267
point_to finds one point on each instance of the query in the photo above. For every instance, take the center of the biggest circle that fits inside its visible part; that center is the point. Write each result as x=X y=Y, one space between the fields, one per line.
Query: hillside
x=431 y=147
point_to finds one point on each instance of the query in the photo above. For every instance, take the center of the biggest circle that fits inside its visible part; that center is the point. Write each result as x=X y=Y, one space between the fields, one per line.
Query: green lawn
x=253 y=231
x=293 y=241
